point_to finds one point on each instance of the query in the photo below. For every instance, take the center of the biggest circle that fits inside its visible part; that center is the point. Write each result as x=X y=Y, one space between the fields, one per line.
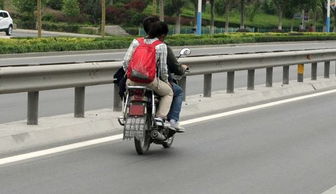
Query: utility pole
x=161 y=10
x=103 y=19
x=199 y=18
x=328 y=17
x=39 y=18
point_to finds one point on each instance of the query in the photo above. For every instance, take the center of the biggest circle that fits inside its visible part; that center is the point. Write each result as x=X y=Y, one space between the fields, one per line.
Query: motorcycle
x=139 y=118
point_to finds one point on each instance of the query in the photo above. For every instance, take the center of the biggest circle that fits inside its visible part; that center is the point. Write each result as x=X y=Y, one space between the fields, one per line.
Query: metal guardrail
x=33 y=79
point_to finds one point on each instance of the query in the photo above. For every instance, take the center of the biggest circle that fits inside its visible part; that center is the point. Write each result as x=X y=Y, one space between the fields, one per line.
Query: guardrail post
x=183 y=84
x=250 y=79
x=116 y=99
x=326 y=69
x=285 y=74
x=269 y=76
x=207 y=85
x=230 y=82
x=79 y=102
x=300 y=72
x=32 y=112
x=314 y=71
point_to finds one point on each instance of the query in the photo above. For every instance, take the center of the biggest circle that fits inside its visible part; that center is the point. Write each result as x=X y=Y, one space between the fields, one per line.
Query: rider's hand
x=185 y=67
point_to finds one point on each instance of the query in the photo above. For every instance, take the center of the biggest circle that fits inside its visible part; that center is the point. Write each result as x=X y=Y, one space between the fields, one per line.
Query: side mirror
x=185 y=52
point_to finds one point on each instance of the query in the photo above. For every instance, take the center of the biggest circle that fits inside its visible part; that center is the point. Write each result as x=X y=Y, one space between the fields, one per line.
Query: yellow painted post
x=300 y=72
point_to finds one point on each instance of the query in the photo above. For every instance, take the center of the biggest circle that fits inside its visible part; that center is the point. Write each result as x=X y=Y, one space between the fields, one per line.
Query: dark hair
x=148 y=21
x=157 y=29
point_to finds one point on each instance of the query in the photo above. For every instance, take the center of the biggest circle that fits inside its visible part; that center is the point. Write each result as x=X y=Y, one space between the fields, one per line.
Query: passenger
x=158 y=31
x=177 y=69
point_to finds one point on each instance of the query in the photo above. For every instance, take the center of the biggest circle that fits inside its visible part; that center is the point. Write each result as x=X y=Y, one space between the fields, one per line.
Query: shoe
x=159 y=121
x=176 y=126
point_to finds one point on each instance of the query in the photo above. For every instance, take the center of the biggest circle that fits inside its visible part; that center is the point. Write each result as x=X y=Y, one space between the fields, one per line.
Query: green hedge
x=24 y=45
x=61 y=27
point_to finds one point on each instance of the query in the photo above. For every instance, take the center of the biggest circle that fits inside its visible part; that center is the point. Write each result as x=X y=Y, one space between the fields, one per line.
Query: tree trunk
x=302 y=27
x=154 y=7
x=324 y=11
x=178 y=24
x=161 y=10
x=315 y=20
x=227 y=18
x=161 y=4
x=212 y=25
x=280 y=19
x=242 y=14
x=335 y=21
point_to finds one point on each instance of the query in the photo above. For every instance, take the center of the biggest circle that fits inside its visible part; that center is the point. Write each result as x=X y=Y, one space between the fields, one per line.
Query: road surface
x=287 y=148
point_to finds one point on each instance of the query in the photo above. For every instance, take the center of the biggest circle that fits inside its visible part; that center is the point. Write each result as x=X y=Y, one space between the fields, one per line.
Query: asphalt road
x=287 y=148
x=212 y=50
x=33 y=33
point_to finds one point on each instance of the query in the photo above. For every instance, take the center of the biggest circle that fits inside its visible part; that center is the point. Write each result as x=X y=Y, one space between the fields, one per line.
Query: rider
x=160 y=85
x=177 y=69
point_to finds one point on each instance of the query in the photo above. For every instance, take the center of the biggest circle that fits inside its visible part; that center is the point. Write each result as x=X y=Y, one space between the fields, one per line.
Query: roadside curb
x=18 y=137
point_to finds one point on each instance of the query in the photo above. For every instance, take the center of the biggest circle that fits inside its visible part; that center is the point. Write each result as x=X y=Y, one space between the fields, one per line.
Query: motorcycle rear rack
x=134 y=127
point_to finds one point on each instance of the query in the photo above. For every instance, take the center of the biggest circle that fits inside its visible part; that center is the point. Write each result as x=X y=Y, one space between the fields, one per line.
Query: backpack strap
x=154 y=44
x=141 y=40
x=157 y=42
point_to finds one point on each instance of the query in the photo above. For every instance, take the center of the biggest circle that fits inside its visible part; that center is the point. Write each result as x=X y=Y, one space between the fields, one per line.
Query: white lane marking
x=242 y=110
x=58 y=149
x=330 y=191
x=55 y=150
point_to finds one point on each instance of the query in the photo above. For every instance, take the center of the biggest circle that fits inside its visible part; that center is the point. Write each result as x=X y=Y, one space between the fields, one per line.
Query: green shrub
x=71 y=8
x=23 y=45
x=61 y=27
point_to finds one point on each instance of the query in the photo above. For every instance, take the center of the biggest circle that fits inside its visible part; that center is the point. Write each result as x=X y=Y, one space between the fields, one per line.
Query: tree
x=334 y=13
x=303 y=6
x=161 y=5
x=27 y=9
x=154 y=7
x=55 y=4
x=212 y=16
x=281 y=5
x=223 y=8
x=91 y=8
x=174 y=8
x=71 y=8
x=1 y=4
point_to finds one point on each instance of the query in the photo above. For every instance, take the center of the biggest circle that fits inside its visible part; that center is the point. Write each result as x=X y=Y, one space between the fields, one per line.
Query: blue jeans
x=175 y=108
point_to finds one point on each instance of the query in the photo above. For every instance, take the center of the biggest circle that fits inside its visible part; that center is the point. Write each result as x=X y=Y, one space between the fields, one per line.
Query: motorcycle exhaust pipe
x=157 y=135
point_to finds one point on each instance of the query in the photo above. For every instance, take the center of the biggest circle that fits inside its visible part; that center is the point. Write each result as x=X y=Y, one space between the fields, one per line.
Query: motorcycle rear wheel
x=142 y=145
